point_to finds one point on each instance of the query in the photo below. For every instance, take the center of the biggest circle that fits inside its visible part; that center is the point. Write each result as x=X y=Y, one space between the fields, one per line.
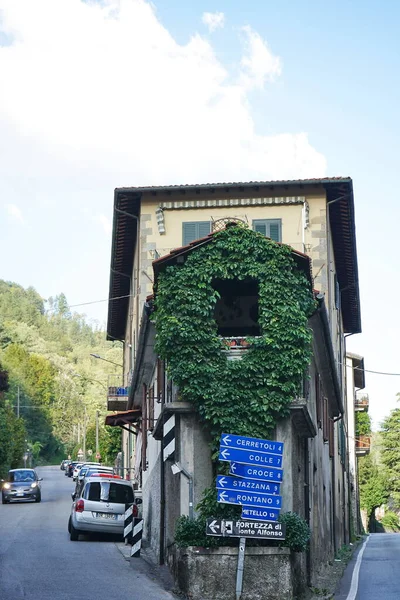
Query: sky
x=102 y=94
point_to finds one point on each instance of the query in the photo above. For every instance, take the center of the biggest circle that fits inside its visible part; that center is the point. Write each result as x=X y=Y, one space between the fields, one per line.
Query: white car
x=76 y=470
x=79 y=466
x=100 y=506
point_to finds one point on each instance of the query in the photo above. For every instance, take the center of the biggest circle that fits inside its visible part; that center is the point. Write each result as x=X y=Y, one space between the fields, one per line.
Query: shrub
x=391 y=521
x=297 y=532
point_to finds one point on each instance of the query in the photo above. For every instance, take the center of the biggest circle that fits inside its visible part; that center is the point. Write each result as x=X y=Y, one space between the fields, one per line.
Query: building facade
x=166 y=450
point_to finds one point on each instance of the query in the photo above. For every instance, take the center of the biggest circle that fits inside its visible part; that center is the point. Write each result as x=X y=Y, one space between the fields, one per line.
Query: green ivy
x=246 y=396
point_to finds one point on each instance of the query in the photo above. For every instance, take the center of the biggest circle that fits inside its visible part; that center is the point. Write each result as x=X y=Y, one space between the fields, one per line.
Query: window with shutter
x=271 y=228
x=195 y=230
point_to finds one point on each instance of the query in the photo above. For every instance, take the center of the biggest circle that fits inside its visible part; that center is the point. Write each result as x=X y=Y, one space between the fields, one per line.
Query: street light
x=106 y=360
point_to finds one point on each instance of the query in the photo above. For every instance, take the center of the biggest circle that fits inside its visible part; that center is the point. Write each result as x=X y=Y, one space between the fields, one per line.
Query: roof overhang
x=340 y=202
x=124 y=235
x=358 y=370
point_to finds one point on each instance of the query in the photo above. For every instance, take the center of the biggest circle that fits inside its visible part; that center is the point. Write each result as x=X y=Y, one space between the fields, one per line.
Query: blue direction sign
x=260 y=514
x=224 y=482
x=246 y=443
x=249 y=498
x=262 y=473
x=250 y=457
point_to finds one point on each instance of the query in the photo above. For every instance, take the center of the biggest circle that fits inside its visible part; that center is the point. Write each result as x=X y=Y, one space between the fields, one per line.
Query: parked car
x=70 y=468
x=88 y=471
x=21 y=484
x=63 y=464
x=100 y=506
x=76 y=470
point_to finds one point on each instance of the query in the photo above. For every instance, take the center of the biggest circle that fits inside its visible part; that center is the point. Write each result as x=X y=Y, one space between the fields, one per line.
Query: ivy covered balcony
x=362 y=403
x=117 y=393
x=235 y=347
x=363 y=445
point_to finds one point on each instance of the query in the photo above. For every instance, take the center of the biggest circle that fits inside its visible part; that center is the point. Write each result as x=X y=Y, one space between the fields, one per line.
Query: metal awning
x=126 y=417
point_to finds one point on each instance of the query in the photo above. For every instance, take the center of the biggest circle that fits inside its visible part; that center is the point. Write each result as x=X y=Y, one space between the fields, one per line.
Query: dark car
x=69 y=469
x=21 y=484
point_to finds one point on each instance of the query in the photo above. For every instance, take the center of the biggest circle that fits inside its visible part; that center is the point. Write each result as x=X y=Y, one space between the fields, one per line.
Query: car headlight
x=34 y=484
x=6 y=486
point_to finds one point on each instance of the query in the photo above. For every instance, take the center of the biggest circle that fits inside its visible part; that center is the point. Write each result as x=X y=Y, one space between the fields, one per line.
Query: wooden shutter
x=318 y=400
x=195 y=230
x=271 y=228
x=275 y=231
x=160 y=381
x=260 y=227
x=151 y=409
x=189 y=233
x=204 y=228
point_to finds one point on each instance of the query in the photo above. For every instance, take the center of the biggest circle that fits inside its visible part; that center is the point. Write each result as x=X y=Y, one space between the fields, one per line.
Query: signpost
x=250 y=457
x=261 y=514
x=246 y=443
x=254 y=483
x=263 y=473
x=249 y=499
x=224 y=482
x=247 y=529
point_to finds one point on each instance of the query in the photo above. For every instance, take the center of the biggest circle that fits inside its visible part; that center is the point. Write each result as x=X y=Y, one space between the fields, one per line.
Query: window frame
x=197 y=225
x=268 y=223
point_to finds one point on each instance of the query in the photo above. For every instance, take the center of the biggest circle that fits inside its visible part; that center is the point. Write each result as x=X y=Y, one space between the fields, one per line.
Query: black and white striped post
x=168 y=442
x=137 y=537
x=128 y=523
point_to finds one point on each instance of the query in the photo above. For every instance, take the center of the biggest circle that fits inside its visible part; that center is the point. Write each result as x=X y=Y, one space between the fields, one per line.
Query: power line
x=376 y=372
x=93 y=302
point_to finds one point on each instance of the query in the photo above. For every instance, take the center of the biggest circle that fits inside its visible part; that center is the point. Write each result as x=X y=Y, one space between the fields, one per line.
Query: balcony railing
x=117 y=393
x=363 y=445
x=362 y=403
x=235 y=347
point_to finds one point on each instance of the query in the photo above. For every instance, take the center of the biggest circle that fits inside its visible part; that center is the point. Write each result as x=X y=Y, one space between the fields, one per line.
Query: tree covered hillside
x=52 y=379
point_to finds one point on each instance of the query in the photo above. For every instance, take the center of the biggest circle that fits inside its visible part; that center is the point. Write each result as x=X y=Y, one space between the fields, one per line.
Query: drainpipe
x=162 y=479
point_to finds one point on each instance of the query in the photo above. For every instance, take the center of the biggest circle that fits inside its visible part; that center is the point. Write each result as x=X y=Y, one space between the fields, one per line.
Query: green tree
x=363 y=423
x=47 y=354
x=390 y=453
x=373 y=485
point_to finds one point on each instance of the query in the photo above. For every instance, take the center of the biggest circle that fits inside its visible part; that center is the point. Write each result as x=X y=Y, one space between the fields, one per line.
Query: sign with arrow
x=261 y=514
x=224 y=482
x=249 y=498
x=250 y=529
x=246 y=443
x=250 y=457
x=263 y=473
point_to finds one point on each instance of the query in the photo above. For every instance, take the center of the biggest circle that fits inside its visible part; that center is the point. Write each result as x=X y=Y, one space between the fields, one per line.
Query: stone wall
x=210 y=573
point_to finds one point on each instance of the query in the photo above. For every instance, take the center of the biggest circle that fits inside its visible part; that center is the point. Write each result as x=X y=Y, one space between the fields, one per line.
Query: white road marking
x=354 y=580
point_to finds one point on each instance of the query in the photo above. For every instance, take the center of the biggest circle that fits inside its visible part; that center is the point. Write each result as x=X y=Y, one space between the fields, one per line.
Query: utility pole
x=18 y=402
x=84 y=434
x=97 y=433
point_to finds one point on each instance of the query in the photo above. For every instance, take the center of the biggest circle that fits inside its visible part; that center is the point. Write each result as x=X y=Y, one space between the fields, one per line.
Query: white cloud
x=106 y=97
x=258 y=64
x=15 y=212
x=213 y=20
x=102 y=219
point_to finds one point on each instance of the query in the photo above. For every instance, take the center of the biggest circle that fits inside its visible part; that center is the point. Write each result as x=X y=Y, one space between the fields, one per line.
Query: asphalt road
x=39 y=562
x=374 y=571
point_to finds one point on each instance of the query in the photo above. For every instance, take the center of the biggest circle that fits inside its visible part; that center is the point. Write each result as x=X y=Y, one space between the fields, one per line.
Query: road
x=39 y=562
x=374 y=571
